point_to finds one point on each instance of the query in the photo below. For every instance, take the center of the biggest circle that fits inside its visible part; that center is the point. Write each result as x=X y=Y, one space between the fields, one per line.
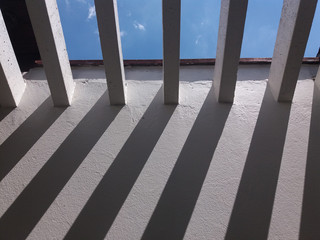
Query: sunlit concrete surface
x=146 y=170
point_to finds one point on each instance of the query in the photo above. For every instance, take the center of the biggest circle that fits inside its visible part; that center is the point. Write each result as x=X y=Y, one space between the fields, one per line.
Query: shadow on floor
x=178 y=199
x=252 y=210
x=22 y=216
x=5 y=111
x=26 y=135
x=98 y=214
x=310 y=216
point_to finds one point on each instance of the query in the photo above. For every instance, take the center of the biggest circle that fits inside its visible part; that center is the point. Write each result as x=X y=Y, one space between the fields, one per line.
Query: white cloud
x=204 y=22
x=198 y=39
x=92 y=12
x=80 y=1
x=139 y=26
x=123 y=33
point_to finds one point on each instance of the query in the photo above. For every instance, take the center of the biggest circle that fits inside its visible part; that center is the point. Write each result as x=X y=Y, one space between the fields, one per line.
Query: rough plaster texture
x=11 y=82
x=198 y=170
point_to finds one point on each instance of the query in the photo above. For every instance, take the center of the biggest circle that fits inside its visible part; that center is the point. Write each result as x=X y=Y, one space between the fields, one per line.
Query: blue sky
x=141 y=29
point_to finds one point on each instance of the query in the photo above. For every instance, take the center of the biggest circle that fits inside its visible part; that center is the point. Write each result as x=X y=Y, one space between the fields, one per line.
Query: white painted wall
x=200 y=170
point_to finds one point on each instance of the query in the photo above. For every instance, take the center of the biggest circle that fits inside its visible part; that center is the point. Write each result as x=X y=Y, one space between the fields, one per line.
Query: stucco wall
x=199 y=170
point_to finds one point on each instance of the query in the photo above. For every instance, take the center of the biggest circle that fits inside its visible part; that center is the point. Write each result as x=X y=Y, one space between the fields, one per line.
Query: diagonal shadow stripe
x=5 y=111
x=174 y=209
x=19 y=220
x=103 y=206
x=310 y=216
x=251 y=214
x=26 y=135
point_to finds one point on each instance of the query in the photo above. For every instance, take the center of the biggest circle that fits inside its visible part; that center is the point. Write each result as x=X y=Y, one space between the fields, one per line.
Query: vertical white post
x=12 y=84
x=45 y=19
x=231 y=26
x=171 y=11
x=293 y=33
x=107 y=16
x=317 y=80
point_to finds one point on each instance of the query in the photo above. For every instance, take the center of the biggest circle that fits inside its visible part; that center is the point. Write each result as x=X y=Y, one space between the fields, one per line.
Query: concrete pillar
x=231 y=26
x=171 y=49
x=108 y=23
x=12 y=84
x=45 y=19
x=295 y=24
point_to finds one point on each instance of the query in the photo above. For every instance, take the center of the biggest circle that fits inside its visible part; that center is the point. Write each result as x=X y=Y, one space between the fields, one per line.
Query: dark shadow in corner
x=98 y=214
x=4 y=111
x=252 y=210
x=178 y=199
x=22 y=216
x=26 y=135
x=310 y=216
